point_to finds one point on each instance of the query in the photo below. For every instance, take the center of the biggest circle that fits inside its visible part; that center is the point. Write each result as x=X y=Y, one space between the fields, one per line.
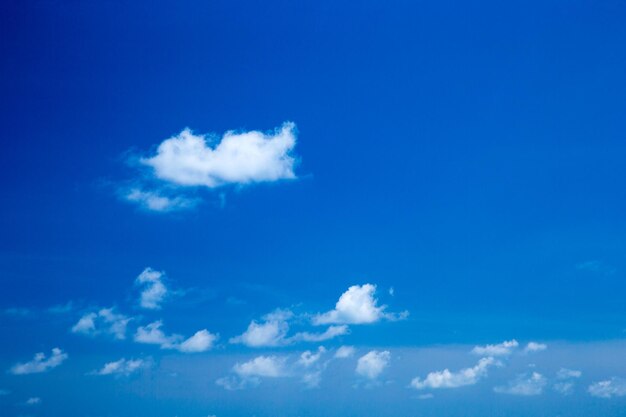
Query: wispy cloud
x=502 y=349
x=448 y=379
x=40 y=363
x=104 y=321
x=614 y=387
x=524 y=384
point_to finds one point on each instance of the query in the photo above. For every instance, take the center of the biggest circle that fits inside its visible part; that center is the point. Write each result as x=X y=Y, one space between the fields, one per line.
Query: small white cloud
x=344 y=352
x=564 y=388
x=271 y=332
x=447 y=379
x=122 y=367
x=524 y=384
x=308 y=358
x=201 y=341
x=426 y=396
x=40 y=363
x=373 y=363
x=501 y=349
x=312 y=379
x=153 y=291
x=331 y=332
x=535 y=347
x=565 y=373
x=357 y=306
x=105 y=321
x=154 y=200
x=239 y=158
x=614 y=387
x=262 y=366
x=33 y=401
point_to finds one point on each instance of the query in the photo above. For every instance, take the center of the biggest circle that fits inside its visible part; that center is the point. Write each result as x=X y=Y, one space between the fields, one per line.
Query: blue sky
x=312 y=208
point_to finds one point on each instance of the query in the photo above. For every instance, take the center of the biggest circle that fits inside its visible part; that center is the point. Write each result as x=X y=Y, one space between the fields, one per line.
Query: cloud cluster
x=40 y=363
x=152 y=334
x=614 y=387
x=448 y=379
x=104 y=321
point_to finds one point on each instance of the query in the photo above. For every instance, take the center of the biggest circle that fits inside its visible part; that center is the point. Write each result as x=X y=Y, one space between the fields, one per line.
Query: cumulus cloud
x=156 y=200
x=122 y=367
x=152 y=334
x=524 y=384
x=188 y=159
x=344 y=352
x=614 y=387
x=373 y=363
x=535 y=347
x=501 y=349
x=447 y=379
x=105 y=321
x=153 y=290
x=262 y=366
x=273 y=330
x=357 y=305
x=40 y=363
x=308 y=358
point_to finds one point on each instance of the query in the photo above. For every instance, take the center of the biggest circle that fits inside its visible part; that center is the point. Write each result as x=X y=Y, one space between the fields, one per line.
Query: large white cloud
x=501 y=349
x=152 y=334
x=358 y=305
x=373 y=363
x=122 y=367
x=190 y=159
x=447 y=379
x=153 y=290
x=524 y=384
x=104 y=321
x=40 y=363
x=614 y=387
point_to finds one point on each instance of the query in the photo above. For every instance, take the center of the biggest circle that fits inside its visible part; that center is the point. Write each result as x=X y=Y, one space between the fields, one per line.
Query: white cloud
x=614 y=387
x=331 y=332
x=564 y=388
x=33 y=401
x=447 y=379
x=357 y=306
x=502 y=349
x=40 y=363
x=239 y=158
x=105 y=321
x=524 y=384
x=122 y=367
x=261 y=366
x=152 y=334
x=373 y=363
x=201 y=341
x=344 y=352
x=154 y=200
x=312 y=379
x=427 y=396
x=565 y=373
x=273 y=330
x=535 y=347
x=308 y=358
x=154 y=290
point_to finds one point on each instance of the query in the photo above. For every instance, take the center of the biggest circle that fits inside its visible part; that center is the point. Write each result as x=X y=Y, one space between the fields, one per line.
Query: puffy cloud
x=614 y=387
x=122 y=367
x=535 y=347
x=154 y=200
x=105 y=321
x=373 y=363
x=153 y=291
x=524 y=384
x=357 y=306
x=344 y=352
x=152 y=334
x=501 y=349
x=40 y=363
x=262 y=366
x=201 y=341
x=447 y=379
x=273 y=330
x=308 y=358
x=239 y=158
